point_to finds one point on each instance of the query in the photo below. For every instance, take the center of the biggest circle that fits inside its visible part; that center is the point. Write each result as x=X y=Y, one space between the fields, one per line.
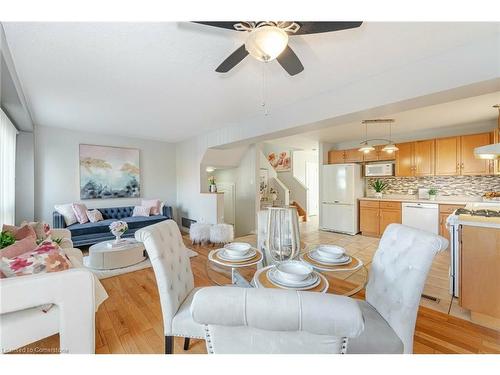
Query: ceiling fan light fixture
x=266 y=43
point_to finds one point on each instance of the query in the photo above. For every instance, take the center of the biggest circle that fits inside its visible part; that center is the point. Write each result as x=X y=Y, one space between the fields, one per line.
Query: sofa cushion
x=136 y=222
x=88 y=228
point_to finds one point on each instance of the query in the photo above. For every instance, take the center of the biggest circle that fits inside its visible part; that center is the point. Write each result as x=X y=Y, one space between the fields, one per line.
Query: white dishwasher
x=423 y=216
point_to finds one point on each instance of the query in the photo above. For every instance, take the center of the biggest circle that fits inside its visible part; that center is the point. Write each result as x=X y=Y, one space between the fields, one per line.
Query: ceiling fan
x=268 y=40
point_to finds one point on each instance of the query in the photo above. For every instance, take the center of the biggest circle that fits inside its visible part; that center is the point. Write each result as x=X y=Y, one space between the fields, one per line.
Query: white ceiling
x=157 y=80
x=460 y=116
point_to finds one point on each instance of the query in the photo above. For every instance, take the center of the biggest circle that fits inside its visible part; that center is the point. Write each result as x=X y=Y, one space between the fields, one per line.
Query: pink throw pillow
x=47 y=257
x=154 y=204
x=41 y=229
x=141 y=211
x=94 y=216
x=19 y=247
x=80 y=211
x=19 y=232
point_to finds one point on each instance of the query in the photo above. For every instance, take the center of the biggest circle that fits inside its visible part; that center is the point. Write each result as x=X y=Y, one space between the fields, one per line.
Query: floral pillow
x=42 y=230
x=47 y=257
x=19 y=232
x=94 y=216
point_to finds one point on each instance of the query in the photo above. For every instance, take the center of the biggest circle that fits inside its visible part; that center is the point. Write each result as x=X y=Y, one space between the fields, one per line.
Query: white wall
x=299 y=160
x=244 y=177
x=57 y=169
x=25 y=177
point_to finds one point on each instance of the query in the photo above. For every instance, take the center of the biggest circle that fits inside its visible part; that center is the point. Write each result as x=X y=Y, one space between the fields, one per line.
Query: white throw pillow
x=94 y=216
x=141 y=211
x=67 y=211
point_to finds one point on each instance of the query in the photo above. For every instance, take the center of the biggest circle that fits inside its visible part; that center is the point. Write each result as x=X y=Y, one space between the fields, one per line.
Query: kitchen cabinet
x=378 y=155
x=415 y=158
x=447 y=156
x=335 y=156
x=353 y=156
x=469 y=164
x=375 y=216
x=404 y=159
x=479 y=276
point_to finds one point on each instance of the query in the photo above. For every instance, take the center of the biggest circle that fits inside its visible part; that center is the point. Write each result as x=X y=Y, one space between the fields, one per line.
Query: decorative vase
x=212 y=188
x=118 y=237
x=283 y=236
x=378 y=195
x=432 y=197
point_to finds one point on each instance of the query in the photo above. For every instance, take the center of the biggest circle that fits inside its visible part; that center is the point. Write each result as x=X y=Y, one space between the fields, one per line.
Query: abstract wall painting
x=109 y=172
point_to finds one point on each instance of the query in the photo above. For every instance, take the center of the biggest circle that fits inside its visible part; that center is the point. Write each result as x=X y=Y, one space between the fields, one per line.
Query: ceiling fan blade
x=224 y=25
x=324 y=27
x=290 y=62
x=232 y=60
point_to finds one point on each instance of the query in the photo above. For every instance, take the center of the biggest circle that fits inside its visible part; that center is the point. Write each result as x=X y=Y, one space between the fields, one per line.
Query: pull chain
x=264 y=86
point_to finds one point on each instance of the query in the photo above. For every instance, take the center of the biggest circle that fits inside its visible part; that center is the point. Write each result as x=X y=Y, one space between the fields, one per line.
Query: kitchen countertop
x=439 y=200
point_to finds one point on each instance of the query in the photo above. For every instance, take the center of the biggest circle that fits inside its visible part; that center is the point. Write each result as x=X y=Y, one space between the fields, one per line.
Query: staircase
x=300 y=211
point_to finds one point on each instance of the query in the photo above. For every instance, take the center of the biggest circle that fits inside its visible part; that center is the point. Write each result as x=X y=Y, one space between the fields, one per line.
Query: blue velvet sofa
x=91 y=233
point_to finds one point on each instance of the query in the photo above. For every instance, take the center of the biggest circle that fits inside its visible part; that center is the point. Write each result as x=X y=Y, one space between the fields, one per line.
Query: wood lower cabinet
x=469 y=164
x=375 y=216
x=479 y=276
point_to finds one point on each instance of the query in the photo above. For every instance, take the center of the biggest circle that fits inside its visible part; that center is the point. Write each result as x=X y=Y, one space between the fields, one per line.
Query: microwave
x=379 y=169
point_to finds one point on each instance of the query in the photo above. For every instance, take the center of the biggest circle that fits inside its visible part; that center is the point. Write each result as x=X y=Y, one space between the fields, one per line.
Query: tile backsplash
x=446 y=185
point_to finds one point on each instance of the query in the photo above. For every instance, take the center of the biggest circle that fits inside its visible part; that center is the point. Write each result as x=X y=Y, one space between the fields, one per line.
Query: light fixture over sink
x=490 y=152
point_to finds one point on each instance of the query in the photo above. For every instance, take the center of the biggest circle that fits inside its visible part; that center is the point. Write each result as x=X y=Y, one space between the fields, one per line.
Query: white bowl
x=294 y=270
x=237 y=248
x=330 y=251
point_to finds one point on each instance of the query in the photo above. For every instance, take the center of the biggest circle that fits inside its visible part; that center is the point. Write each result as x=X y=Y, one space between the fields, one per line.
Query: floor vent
x=434 y=299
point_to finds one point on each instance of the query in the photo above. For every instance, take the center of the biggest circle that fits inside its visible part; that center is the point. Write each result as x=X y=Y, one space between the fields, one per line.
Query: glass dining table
x=344 y=280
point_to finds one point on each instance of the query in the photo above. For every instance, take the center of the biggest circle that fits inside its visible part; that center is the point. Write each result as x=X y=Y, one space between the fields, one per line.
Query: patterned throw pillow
x=42 y=230
x=46 y=257
x=19 y=232
x=94 y=216
x=154 y=204
x=66 y=210
x=19 y=247
x=141 y=211
x=80 y=211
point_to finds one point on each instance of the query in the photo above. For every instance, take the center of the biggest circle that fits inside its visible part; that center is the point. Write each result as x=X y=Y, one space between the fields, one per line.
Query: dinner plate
x=310 y=282
x=221 y=253
x=346 y=259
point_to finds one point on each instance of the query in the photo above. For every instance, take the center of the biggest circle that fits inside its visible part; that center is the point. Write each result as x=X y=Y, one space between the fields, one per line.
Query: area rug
x=104 y=274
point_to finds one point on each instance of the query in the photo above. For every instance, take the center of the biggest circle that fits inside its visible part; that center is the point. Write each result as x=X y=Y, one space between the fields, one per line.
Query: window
x=8 y=135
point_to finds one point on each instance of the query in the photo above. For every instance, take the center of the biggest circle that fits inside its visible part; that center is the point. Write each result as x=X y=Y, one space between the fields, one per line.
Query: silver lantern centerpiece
x=282 y=235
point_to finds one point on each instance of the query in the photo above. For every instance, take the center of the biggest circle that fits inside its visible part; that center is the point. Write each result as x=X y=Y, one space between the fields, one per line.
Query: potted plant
x=212 y=187
x=379 y=186
x=432 y=194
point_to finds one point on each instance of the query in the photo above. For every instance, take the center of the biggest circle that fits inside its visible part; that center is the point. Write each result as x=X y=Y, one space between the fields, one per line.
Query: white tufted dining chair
x=172 y=268
x=396 y=281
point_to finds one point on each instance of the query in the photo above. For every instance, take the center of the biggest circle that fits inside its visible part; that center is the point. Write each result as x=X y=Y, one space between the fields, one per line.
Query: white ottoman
x=221 y=233
x=199 y=233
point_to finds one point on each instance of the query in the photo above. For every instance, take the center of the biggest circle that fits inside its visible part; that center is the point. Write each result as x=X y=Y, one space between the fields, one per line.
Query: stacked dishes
x=236 y=251
x=332 y=255
x=293 y=274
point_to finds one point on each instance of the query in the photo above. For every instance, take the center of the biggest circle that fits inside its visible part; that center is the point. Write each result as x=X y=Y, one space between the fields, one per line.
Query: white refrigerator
x=341 y=187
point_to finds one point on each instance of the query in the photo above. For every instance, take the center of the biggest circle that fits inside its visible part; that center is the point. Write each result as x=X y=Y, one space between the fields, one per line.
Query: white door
x=338 y=217
x=229 y=201
x=312 y=181
x=338 y=183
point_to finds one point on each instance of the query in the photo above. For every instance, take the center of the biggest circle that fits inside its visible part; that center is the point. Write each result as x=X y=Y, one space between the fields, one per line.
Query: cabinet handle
x=462 y=166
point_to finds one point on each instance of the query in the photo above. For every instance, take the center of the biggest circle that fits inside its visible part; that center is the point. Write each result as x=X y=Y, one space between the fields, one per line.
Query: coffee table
x=103 y=257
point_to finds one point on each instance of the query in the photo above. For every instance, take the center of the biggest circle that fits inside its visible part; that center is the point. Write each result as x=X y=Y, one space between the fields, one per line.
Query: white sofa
x=75 y=295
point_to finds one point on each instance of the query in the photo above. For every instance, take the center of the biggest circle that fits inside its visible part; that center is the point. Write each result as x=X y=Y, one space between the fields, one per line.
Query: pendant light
x=490 y=152
x=365 y=147
x=391 y=147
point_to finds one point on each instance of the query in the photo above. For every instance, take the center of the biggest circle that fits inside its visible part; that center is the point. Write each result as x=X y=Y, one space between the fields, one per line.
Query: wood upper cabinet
x=415 y=158
x=353 y=156
x=382 y=155
x=335 y=156
x=404 y=159
x=447 y=156
x=423 y=158
x=470 y=165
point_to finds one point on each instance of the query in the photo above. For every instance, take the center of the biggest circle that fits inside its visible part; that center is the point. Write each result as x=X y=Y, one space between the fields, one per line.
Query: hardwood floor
x=130 y=320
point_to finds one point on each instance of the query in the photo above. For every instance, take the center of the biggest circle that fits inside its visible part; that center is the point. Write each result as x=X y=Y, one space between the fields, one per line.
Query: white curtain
x=8 y=135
